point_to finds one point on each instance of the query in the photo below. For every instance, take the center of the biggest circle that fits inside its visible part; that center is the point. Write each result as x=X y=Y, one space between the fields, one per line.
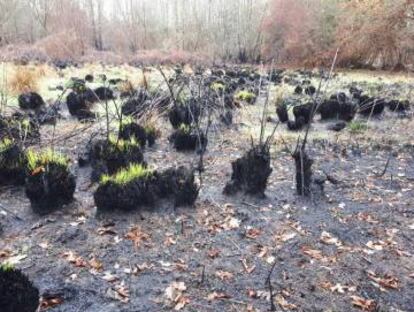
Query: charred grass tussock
x=49 y=183
x=126 y=175
x=136 y=187
x=17 y=292
x=12 y=163
x=108 y=156
x=245 y=96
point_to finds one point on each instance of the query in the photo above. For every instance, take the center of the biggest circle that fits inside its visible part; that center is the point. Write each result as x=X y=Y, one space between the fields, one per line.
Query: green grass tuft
x=357 y=127
x=127 y=175
x=123 y=145
x=218 y=86
x=5 y=144
x=184 y=128
x=7 y=267
x=245 y=96
x=36 y=160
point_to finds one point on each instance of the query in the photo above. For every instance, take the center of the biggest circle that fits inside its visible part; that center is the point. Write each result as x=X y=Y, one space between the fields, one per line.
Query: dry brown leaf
x=5 y=253
x=109 y=277
x=364 y=304
x=181 y=303
x=284 y=304
x=106 y=231
x=218 y=296
x=253 y=233
x=246 y=267
x=75 y=260
x=213 y=253
x=169 y=241
x=387 y=281
x=95 y=264
x=137 y=236
x=175 y=290
x=328 y=239
x=49 y=302
x=224 y=276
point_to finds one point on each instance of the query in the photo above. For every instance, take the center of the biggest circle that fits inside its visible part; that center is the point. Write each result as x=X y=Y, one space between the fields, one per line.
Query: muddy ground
x=346 y=249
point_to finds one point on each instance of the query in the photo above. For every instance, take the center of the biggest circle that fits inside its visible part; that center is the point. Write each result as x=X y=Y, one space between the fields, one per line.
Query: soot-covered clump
x=104 y=94
x=187 y=139
x=12 y=163
x=129 y=189
x=136 y=187
x=135 y=103
x=303 y=165
x=187 y=113
x=371 y=106
x=131 y=130
x=282 y=113
x=49 y=182
x=79 y=106
x=337 y=107
x=17 y=293
x=304 y=111
x=250 y=172
x=20 y=128
x=398 y=106
x=109 y=156
x=30 y=100
x=179 y=184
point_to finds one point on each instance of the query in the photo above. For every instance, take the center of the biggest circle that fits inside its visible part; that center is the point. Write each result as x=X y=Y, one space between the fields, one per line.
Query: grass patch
x=356 y=127
x=123 y=145
x=127 y=175
x=218 y=86
x=36 y=160
x=7 y=267
x=245 y=95
x=24 y=79
x=184 y=128
x=5 y=144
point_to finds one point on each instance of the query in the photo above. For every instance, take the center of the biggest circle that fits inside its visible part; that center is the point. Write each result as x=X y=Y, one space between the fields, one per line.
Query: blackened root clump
x=188 y=141
x=17 y=293
x=12 y=164
x=303 y=165
x=129 y=197
x=50 y=187
x=250 y=172
x=179 y=184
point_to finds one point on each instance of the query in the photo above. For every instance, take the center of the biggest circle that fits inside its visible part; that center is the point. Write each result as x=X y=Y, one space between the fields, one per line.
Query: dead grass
x=24 y=79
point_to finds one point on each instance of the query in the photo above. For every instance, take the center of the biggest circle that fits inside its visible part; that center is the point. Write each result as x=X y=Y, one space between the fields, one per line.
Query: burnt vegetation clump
x=250 y=172
x=49 y=182
x=12 y=163
x=137 y=187
x=30 y=100
x=107 y=156
x=17 y=293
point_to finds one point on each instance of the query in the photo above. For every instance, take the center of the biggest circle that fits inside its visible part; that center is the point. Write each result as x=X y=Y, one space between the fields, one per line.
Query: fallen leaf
x=95 y=264
x=328 y=239
x=246 y=267
x=253 y=233
x=137 y=236
x=77 y=261
x=387 y=281
x=284 y=304
x=109 y=277
x=364 y=304
x=224 y=276
x=48 y=302
x=218 y=295
x=213 y=253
